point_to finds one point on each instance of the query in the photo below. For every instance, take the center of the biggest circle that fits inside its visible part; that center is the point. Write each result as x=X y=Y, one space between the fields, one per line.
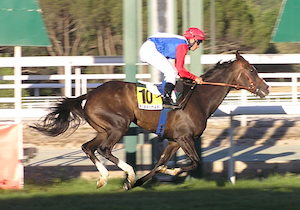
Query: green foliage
x=79 y=27
x=265 y=14
x=94 y=27
x=243 y=24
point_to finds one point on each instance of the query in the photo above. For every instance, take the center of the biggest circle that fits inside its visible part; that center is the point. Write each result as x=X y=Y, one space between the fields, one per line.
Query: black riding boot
x=167 y=100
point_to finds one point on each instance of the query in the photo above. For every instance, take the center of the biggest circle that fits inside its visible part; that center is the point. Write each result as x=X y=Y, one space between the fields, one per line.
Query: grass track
x=276 y=192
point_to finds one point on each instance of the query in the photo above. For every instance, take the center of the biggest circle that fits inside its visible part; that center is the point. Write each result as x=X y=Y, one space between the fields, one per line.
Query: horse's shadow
x=250 y=153
x=256 y=151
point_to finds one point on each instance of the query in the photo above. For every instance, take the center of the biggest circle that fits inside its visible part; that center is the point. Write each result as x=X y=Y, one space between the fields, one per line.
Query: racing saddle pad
x=149 y=95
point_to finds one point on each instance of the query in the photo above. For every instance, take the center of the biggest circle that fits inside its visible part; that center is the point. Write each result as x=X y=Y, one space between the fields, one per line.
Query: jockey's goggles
x=198 y=41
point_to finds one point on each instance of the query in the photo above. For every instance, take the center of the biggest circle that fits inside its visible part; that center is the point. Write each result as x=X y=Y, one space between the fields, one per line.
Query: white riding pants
x=149 y=54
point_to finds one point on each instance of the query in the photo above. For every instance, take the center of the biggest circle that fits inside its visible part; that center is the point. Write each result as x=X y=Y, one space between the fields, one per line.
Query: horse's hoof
x=127 y=186
x=162 y=169
x=101 y=183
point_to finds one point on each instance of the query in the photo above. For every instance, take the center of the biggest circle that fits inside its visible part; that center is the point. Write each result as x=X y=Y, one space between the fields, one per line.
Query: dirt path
x=266 y=130
x=271 y=130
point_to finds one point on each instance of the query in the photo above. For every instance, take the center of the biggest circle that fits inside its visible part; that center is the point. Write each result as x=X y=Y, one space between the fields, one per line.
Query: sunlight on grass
x=191 y=194
x=115 y=185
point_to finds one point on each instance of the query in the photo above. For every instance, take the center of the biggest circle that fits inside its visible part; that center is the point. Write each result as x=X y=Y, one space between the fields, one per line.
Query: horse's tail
x=67 y=113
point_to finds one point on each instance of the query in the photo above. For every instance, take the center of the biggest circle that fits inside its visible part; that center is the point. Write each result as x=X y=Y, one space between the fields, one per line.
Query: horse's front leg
x=160 y=166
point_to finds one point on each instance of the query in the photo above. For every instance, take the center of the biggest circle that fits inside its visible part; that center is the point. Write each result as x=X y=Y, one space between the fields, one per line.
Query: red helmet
x=194 y=33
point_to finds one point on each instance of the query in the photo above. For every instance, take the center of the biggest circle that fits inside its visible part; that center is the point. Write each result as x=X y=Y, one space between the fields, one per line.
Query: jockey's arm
x=181 y=52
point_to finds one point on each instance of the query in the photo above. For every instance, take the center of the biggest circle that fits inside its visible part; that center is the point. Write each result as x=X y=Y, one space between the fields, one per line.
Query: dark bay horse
x=111 y=107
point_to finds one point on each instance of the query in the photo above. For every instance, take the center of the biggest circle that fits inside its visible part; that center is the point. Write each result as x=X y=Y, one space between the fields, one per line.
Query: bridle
x=251 y=88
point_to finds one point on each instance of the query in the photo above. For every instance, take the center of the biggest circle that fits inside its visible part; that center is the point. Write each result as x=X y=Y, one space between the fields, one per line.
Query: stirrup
x=168 y=103
x=172 y=106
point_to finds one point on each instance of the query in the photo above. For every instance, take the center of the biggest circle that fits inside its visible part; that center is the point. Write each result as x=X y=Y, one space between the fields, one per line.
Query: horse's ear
x=238 y=56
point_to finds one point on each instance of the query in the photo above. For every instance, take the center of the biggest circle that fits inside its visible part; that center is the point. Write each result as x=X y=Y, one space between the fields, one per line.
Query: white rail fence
x=285 y=88
x=284 y=91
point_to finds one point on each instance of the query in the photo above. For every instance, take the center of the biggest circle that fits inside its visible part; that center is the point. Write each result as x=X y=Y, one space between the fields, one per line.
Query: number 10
x=147 y=96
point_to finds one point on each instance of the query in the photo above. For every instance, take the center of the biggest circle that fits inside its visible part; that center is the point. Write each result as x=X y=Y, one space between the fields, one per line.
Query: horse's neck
x=216 y=94
x=222 y=76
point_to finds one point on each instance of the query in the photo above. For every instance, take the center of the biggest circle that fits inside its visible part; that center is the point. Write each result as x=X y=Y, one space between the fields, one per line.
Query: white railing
x=79 y=82
x=283 y=92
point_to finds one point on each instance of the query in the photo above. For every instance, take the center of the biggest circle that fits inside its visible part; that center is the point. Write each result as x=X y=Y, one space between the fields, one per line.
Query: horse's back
x=112 y=100
x=113 y=93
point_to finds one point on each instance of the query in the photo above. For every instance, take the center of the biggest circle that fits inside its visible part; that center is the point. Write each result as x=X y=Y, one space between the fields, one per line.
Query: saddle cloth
x=149 y=95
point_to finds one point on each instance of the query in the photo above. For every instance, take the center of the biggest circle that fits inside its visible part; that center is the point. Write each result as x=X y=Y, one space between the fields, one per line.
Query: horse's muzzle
x=263 y=90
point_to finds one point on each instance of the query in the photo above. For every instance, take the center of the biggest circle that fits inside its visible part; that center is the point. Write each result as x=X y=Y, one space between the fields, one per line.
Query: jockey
x=163 y=46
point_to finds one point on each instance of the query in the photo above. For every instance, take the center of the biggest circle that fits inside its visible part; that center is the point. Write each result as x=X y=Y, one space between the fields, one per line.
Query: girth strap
x=162 y=121
x=183 y=103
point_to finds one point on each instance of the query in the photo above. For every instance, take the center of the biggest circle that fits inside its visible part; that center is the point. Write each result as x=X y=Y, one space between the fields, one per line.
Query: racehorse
x=111 y=107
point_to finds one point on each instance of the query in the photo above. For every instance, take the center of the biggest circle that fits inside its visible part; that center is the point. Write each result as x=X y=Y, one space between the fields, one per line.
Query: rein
x=183 y=103
x=250 y=88
x=187 y=97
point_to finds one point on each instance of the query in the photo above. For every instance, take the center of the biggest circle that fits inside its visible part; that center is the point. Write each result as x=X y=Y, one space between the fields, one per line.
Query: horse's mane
x=217 y=68
x=214 y=71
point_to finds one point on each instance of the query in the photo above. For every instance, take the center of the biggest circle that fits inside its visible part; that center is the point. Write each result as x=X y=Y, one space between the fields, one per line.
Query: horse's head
x=247 y=76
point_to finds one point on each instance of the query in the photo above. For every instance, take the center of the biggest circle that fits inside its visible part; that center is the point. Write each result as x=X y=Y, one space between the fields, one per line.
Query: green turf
x=275 y=192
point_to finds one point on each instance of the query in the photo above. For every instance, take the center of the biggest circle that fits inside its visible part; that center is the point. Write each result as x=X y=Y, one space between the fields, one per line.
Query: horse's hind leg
x=105 y=149
x=168 y=152
x=89 y=148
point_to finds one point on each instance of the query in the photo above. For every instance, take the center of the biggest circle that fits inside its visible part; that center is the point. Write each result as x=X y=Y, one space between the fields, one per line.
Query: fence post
x=196 y=20
x=18 y=83
x=130 y=58
x=77 y=82
x=68 y=81
x=83 y=85
x=231 y=162
x=294 y=89
x=243 y=118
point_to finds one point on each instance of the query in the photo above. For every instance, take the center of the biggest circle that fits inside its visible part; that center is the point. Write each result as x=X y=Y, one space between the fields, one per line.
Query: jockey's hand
x=199 y=80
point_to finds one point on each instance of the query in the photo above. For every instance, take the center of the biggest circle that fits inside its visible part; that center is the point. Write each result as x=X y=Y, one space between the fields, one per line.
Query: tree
x=90 y=27
x=243 y=25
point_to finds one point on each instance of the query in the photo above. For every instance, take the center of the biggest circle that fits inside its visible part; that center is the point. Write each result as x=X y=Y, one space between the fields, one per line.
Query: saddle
x=149 y=95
